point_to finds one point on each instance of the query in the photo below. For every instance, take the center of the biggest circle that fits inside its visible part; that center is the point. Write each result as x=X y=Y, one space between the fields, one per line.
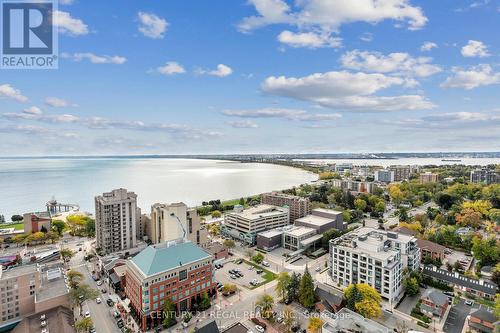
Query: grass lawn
x=266 y=275
x=17 y=226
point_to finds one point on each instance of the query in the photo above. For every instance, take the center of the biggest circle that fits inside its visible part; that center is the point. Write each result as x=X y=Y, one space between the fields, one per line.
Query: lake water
x=409 y=161
x=27 y=184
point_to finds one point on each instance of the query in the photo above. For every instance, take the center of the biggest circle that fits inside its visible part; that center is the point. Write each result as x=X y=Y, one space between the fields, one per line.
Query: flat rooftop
x=348 y=321
x=327 y=211
x=18 y=271
x=300 y=231
x=271 y=233
x=259 y=211
x=314 y=220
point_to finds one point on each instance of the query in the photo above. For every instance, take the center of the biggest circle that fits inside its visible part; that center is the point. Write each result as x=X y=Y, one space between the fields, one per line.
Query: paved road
x=100 y=313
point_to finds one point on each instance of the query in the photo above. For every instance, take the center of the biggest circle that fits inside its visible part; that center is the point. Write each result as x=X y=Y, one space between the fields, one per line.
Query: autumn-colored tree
x=315 y=324
x=480 y=206
x=365 y=300
x=265 y=303
x=469 y=218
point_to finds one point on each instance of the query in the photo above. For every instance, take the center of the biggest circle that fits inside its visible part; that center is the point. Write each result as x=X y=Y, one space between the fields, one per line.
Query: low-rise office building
x=322 y=220
x=431 y=250
x=433 y=303
x=180 y=271
x=35 y=222
x=297 y=206
x=375 y=257
x=245 y=224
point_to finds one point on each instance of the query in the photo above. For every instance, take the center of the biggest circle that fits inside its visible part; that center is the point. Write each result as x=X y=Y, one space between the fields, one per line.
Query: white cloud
x=95 y=59
x=69 y=25
x=329 y=15
x=33 y=110
x=7 y=91
x=476 y=76
x=58 y=102
x=289 y=114
x=151 y=25
x=475 y=48
x=462 y=116
x=54 y=118
x=366 y=37
x=345 y=90
x=221 y=71
x=171 y=68
x=427 y=46
x=243 y=124
x=393 y=62
x=309 y=39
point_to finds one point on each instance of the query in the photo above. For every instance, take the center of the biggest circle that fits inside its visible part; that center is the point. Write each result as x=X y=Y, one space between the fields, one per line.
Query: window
x=182 y=275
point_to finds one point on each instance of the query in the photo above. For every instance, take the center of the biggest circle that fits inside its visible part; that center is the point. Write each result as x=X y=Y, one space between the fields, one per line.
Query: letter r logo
x=27 y=28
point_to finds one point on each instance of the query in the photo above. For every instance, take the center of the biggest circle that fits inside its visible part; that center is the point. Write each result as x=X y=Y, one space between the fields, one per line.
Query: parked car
x=265 y=264
x=99 y=282
x=469 y=302
x=110 y=302
x=318 y=269
x=98 y=300
x=259 y=271
x=87 y=314
x=259 y=329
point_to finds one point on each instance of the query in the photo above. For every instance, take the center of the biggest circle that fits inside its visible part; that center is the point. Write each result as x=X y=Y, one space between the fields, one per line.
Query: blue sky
x=261 y=76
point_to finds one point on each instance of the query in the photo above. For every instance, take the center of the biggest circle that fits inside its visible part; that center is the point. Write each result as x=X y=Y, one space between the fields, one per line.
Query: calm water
x=410 y=161
x=26 y=185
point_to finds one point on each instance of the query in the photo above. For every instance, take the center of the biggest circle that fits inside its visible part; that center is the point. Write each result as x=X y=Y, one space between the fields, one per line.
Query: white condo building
x=244 y=224
x=116 y=220
x=375 y=257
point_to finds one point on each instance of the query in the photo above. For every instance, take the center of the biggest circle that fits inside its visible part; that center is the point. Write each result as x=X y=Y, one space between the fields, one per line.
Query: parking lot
x=249 y=273
x=457 y=256
x=457 y=315
x=409 y=302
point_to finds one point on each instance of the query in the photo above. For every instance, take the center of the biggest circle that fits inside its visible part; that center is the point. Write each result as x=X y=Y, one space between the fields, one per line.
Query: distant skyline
x=261 y=76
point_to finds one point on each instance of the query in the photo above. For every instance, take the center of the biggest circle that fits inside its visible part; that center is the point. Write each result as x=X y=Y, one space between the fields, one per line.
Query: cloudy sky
x=261 y=76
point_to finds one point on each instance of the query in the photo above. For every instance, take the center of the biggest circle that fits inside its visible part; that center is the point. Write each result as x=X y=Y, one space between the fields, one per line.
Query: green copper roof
x=159 y=258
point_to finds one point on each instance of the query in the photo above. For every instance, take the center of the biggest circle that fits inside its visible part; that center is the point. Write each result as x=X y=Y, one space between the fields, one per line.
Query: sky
x=260 y=76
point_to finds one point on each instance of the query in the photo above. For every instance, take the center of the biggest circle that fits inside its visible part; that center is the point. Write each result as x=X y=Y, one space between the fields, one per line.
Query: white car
x=98 y=300
x=87 y=314
x=259 y=329
x=468 y=302
x=265 y=264
x=99 y=282
x=318 y=269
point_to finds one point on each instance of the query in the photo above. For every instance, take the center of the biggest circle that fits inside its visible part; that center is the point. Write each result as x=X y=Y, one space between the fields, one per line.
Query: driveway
x=408 y=303
x=456 y=317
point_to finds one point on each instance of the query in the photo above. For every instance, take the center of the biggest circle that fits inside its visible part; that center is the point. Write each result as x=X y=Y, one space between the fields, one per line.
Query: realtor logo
x=29 y=38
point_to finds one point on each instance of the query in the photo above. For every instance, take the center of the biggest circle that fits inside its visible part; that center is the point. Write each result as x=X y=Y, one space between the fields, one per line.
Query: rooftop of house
x=435 y=296
x=484 y=315
x=434 y=247
x=459 y=279
x=159 y=258
x=349 y=321
x=236 y=328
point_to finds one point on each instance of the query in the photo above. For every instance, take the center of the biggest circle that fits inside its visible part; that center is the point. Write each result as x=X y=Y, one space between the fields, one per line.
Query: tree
x=396 y=194
x=169 y=314
x=35 y=237
x=288 y=318
x=329 y=235
x=360 y=204
x=265 y=303
x=365 y=300
x=315 y=324
x=306 y=290
x=74 y=278
x=58 y=226
x=497 y=306
x=411 y=286
x=52 y=236
x=43 y=229
x=90 y=227
x=293 y=287
x=258 y=257
x=205 y=302
x=214 y=229
x=17 y=218
x=486 y=251
x=403 y=214
x=19 y=239
x=282 y=285
x=496 y=274
x=67 y=254
x=216 y=214
x=81 y=293
x=229 y=288
x=84 y=325
x=469 y=218
x=229 y=243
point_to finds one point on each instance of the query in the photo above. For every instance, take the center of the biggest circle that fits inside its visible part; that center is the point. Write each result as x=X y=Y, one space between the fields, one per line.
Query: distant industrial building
x=298 y=206
x=169 y=221
x=428 y=177
x=245 y=224
x=116 y=220
x=487 y=176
